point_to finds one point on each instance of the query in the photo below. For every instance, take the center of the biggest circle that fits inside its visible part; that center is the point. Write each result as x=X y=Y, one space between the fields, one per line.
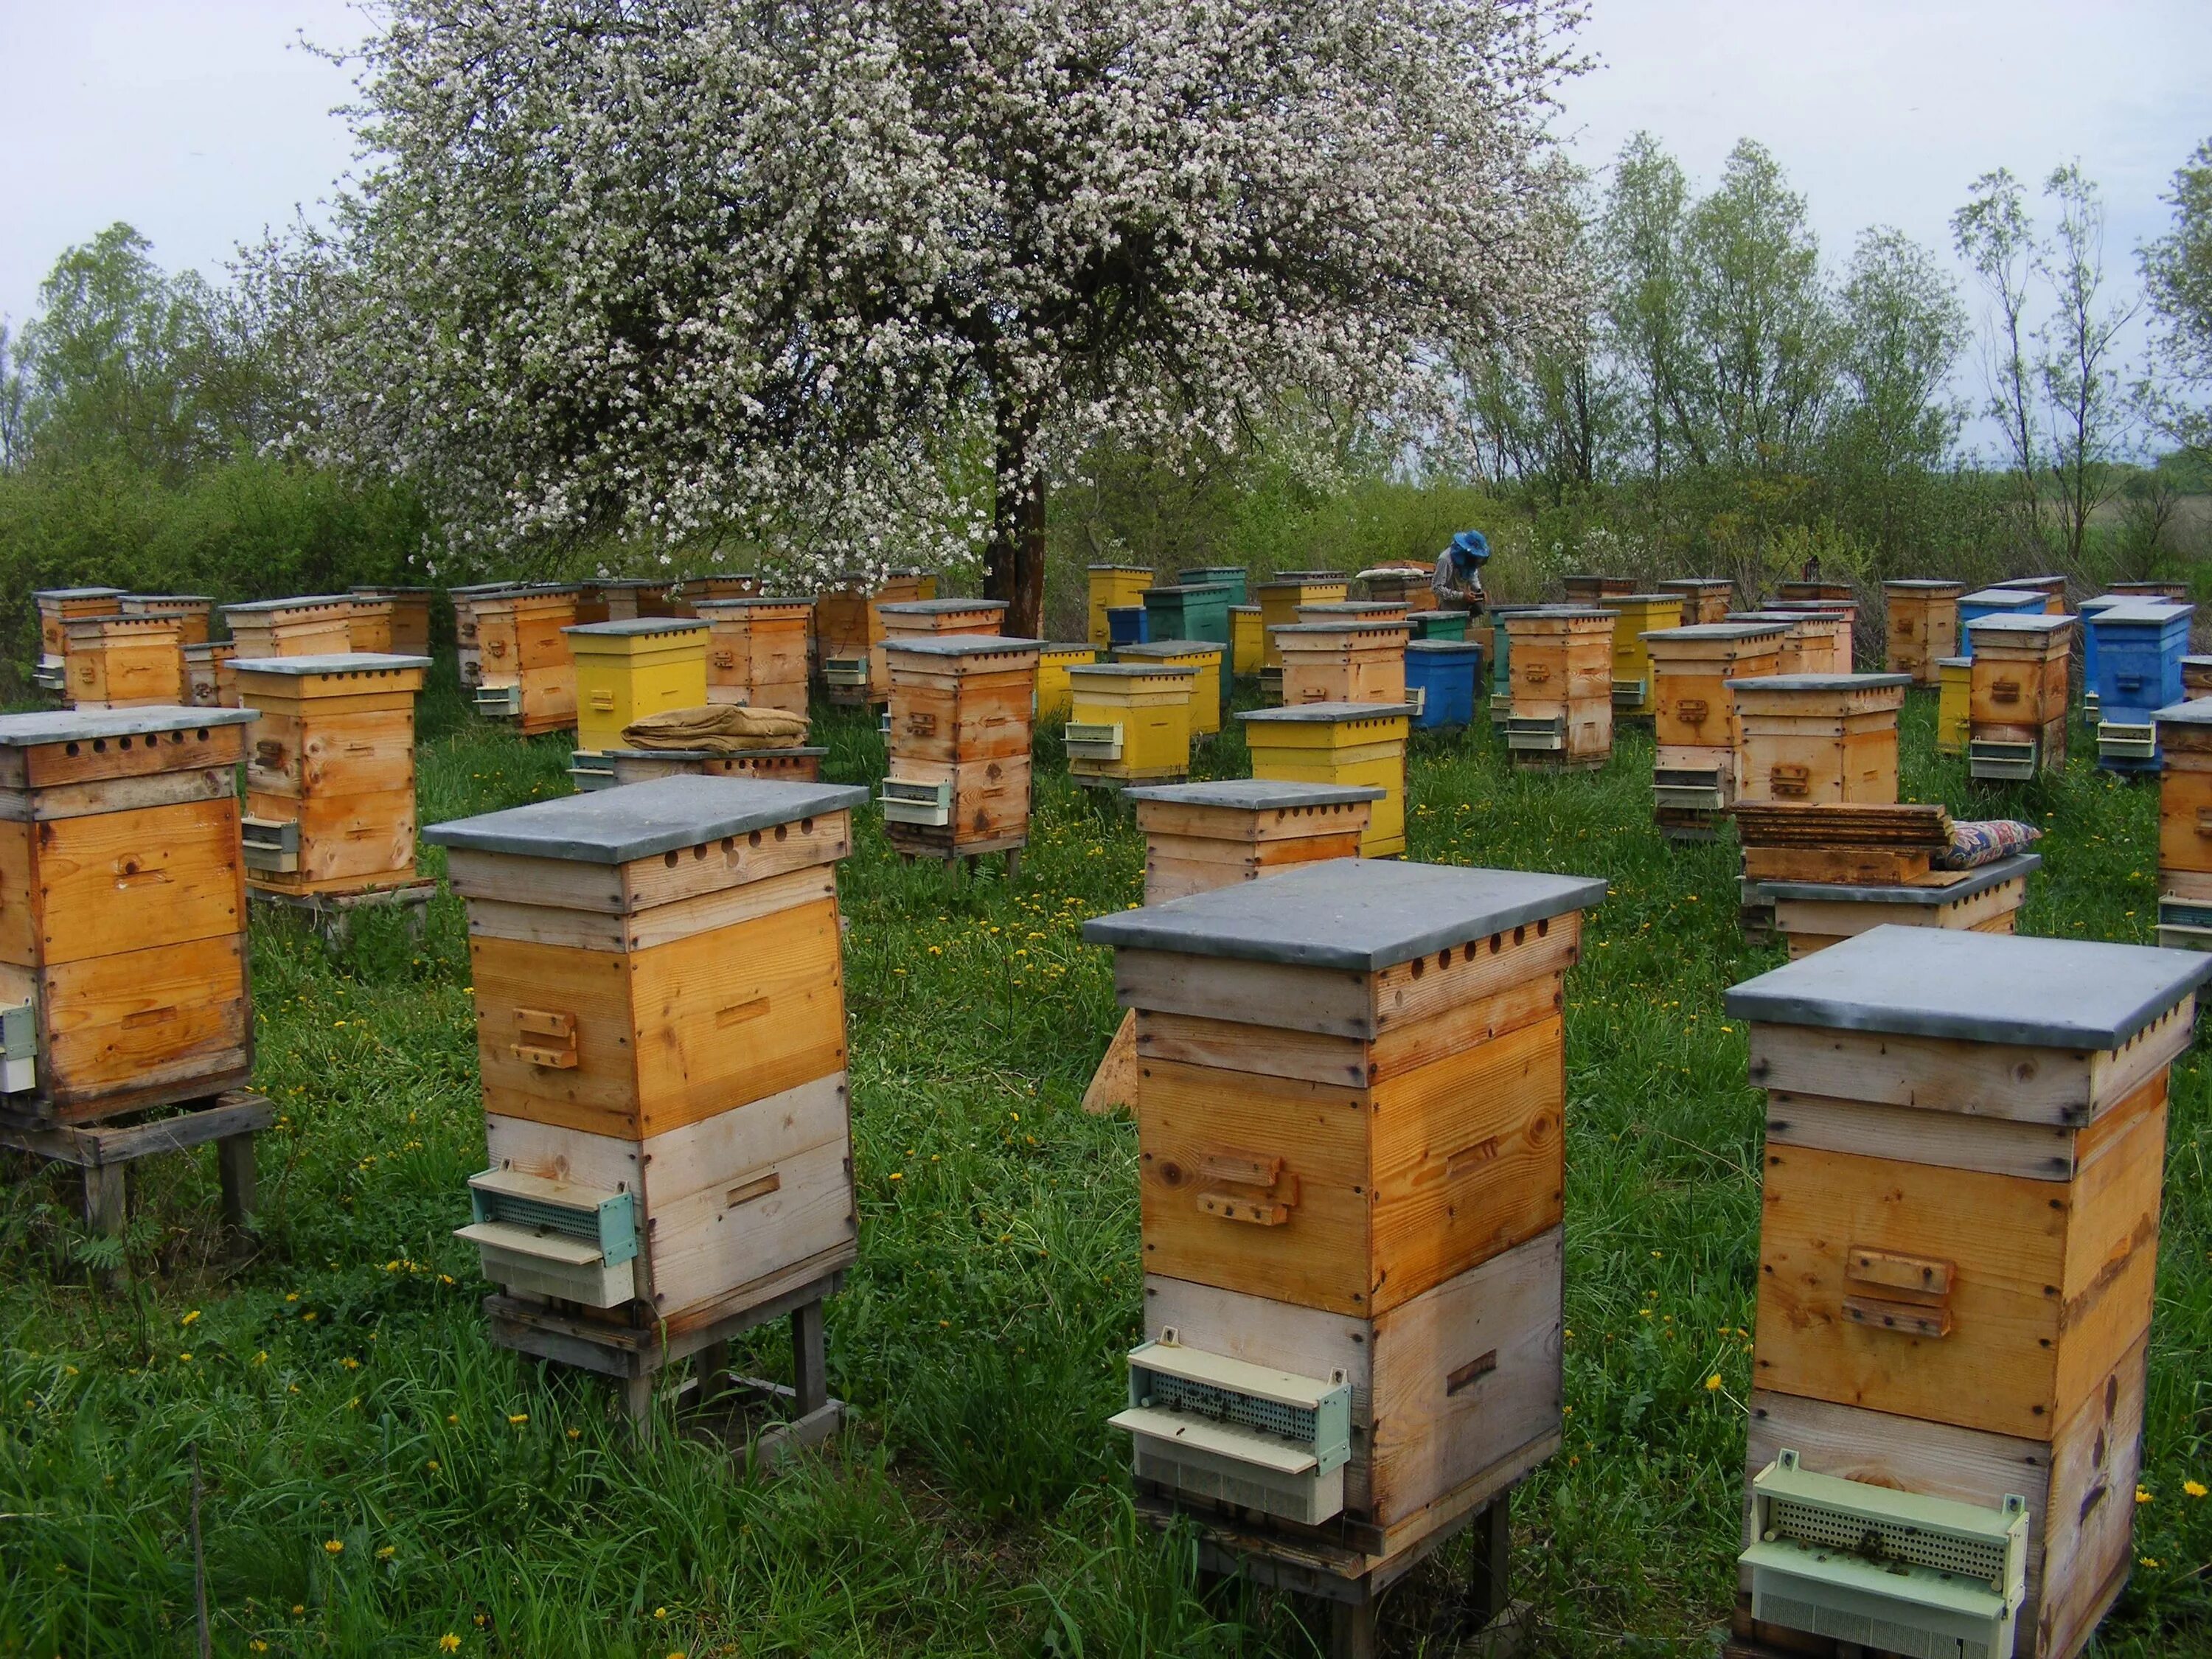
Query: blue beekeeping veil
x=1471 y=546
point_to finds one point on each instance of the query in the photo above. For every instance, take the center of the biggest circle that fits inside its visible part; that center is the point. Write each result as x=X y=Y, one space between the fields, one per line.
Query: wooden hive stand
x=1351 y=1099
x=1965 y=1141
x=660 y=1031
x=1561 y=668
x=1361 y=745
x=1635 y=616
x=1210 y=685
x=1113 y=587
x=57 y=607
x=2184 y=826
x=320 y=625
x=756 y=651
x=1693 y=777
x=626 y=672
x=1129 y=722
x=329 y=788
x=958 y=783
x=1704 y=598
x=2132 y=652
x=1921 y=618
x=125 y=662
x=2017 y=707
x=1055 y=693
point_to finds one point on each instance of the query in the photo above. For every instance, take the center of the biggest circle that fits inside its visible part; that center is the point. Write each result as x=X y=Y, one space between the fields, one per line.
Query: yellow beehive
x=1209 y=699
x=1955 y=702
x=1362 y=744
x=57 y=607
x=330 y=776
x=2017 y=703
x=1818 y=739
x=1112 y=587
x=1350 y=659
x=626 y=670
x=1281 y=595
x=1055 y=693
x=756 y=651
x=319 y=626
x=125 y=662
x=1922 y=620
x=194 y=613
x=1560 y=661
x=1636 y=615
x=1248 y=636
x=1128 y=723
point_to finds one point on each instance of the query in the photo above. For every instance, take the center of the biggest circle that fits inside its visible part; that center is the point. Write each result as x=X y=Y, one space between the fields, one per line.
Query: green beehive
x=1439 y=625
x=1231 y=576
x=1190 y=610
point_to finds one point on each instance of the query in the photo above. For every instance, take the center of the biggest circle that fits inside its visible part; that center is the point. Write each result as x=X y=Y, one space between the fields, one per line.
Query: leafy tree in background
x=14 y=445
x=1995 y=237
x=2177 y=276
x=2078 y=369
x=1645 y=307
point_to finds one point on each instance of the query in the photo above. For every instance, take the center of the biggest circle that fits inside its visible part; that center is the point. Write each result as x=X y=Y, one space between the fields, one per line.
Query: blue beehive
x=2137 y=648
x=1440 y=678
x=1995 y=602
x=1125 y=625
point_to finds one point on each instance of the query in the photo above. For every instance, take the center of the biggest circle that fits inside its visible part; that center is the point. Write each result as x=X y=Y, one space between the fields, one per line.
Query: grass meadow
x=376 y=1479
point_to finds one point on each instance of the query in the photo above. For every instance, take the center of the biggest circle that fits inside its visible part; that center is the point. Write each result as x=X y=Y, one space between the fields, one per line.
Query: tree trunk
x=1013 y=559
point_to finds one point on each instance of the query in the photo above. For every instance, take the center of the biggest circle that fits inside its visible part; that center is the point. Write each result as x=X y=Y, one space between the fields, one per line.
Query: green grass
x=339 y=1390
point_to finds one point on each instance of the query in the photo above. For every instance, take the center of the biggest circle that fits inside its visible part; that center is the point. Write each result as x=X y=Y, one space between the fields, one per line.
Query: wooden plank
x=2086 y=1544
x=74 y=800
x=772 y=1215
x=134 y=1022
x=1413 y=992
x=47 y=765
x=1329 y=1001
x=2112 y=1247
x=599 y=1093
x=126 y=881
x=1979 y=1079
x=597 y=929
x=19 y=921
x=2035 y=1151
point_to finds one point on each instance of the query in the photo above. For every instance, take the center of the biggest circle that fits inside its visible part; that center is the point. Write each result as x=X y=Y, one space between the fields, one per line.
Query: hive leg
x=809 y=1372
x=713 y=1369
x=235 y=1168
x=637 y=1403
x=1013 y=865
x=1351 y=1629
x=1492 y=1537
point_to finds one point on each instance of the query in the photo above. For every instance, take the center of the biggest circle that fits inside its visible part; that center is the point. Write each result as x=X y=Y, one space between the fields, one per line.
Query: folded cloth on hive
x=722 y=728
x=1973 y=845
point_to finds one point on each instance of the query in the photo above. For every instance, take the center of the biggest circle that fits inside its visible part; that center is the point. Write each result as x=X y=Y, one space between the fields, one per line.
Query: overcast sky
x=201 y=121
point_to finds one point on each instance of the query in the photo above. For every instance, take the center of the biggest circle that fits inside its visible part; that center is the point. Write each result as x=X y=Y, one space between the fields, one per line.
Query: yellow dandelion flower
x=334 y=1547
x=517 y=1417
x=449 y=1642
x=2195 y=1488
x=189 y=1317
x=1713 y=1383
x=387 y=1552
x=2142 y=1495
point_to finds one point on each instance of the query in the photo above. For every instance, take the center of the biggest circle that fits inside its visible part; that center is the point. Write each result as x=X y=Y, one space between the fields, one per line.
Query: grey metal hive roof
x=78 y=593
x=1980 y=988
x=2004 y=596
x=614 y=826
x=89 y=725
x=1719 y=630
x=1255 y=794
x=254 y=606
x=1170 y=648
x=1362 y=915
x=2195 y=712
x=329 y=662
x=2020 y=622
x=632 y=626
x=939 y=607
x=1343 y=624
x=703 y=754
x=1317 y=712
x=1823 y=682
x=962 y=645
x=1436 y=646
x=744 y=601
x=1930 y=583
x=1129 y=670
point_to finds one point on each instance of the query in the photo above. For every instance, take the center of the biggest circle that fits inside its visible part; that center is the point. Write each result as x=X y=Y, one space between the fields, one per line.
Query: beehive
x=194 y=613
x=1112 y=587
x=1823 y=637
x=211 y=676
x=406 y=625
x=1693 y=779
x=849 y=632
x=628 y=598
x=1248 y=639
x=1055 y=694
x=1127 y=624
x=1189 y=611
x=2196 y=676
x=1361 y=744
x=57 y=607
x=123 y=971
x=1794 y=592
x=1922 y=620
x=756 y=651
x=716 y=586
x=1818 y=739
x=318 y=626
x=1441 y=675
x=465 y=640
x=1233 y=577
x=2091 y=609
x=2135 y=647
x=1281 y=595
x=1198 y=837
x=2052 y=589
x=329 y=778
x=1209 y=691
x=1129 y=722
x=2017 y=704
x=1704 y=598
x=625 y=671
x=1636 y=615
x=125 y=662
x=915 y=619
x=1350 y=1111
x=628 y=766
x=1955 y=702
x=545 y=675
x=1790 y=658
x=1500 y=650
x=369 y=625
x=1351 y=660
x=1562 y=678
x=958 y=782
x=660 y=1032
x=1994 y=602
x=2184 y=825
x=1363 y=611
x=1965 y=1146
x=1439 y=624
x=1400 y=585
x=1595 y=590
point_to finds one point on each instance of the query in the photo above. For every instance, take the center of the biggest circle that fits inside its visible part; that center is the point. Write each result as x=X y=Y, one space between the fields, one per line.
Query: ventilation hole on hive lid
x=753 y=840
x=669 y=859
x=72 y=748
x=1543 y=926
x=782 y=832
x=1497 y=943
x=1420 y=967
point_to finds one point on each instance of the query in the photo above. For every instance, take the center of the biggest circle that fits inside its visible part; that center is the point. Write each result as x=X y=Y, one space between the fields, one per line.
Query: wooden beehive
x=369 y=626
x=714 y=587
x=1818 y=739
x=1113 y=587
x=1209 y=690
x=2196 y=676
x=211 y=674
x=631 y=599
x=1636 y=615
x=660 y=1032
x=125 y=662
x=1400 y=585
x=849 y=632
x=2184 y=826
x=467 y=645
x=1129 y=722
x=1824 y=636
x=318 y=626
x=1693 y=779
x=626 y=766
x=1922 y=620
x=1796 y=592
x=1198 y=837
x=1248 y=639
x=529 y=675
x=1350 y=1108
x=1354 y=659
x=1704 y=598
x=329 y=778
x=406 y=625
x=917 y=619
x=194 y=613
x=1359 y=745
x=1360 y=610
x=1280 y=595
x=2052 y=588
x=957 y=777
x=1955 y=703
x=2017 y=704
x=1056 y=694
x=1965 y=1146
x=1595 y=590
x=756 y=651
x=123 y=969
x=57 y=607
x=1560 y=664
x=626 y=670
x=1791 y=657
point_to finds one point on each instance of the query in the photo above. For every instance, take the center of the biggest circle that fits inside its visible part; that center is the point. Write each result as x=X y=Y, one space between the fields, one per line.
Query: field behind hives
x=377 y=1479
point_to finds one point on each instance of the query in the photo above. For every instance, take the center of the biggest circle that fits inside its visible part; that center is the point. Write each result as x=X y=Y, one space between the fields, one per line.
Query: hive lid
x=1433 y=647
x=1067 y=645
x=1159 y=590
x=1437 y=615
x=1172 y=648
x=1954 y=662
x=1643 y=598
x=704 y=754
x=2141 y=608
x=1128 y=670
x=1698 y=581
x=1324 y=713
x=1359 y=608
x=615 y=826
x=254 y=606
x=1719 y=630
x=1255 y=794
x=174 y=598
x=1925 y=584
x=473 y=588
x=629 y=582
x=330 y=662
x=748 y=601
x=2020 y=622
x=939 y=607
x=1976 y=881
x=379 y=590
x=1822 y=682
x=1789 y=619
x=2004 y=596
x=2195 y=712
x=88 y=725
x=2036 y=582
x=1567 y=612
x=634 y=626
x=1345 y=624
x=963 y=645
x=78 y=593
x=1980 y=988
x=1363 y=915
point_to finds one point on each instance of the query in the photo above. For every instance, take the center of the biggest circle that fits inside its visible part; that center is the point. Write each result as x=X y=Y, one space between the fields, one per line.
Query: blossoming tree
x=849 y=277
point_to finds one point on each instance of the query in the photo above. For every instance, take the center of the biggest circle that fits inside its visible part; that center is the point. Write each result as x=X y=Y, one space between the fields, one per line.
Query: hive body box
x=1248 y=646
x=2184 y=826
x=210 y=678
x=529 y=675
x=194 y=613
x=958 y=778
x=1818 y=739
x=1441 y=676
x=1365 y=611
x=849 y=632
x=1358 y=745
x=1189 y=611
x=2018 y=704
x=2196 y=676
x=1561 y=714
x=1352 y=660
x=1439 y=625
x=2091 y=609
x=756 y=651
x=1198 y=837
x=1823 y=638
x=1704 y=598
x=466 y=642
x=1694 y=779
x=369 y=624
x=1921 y=618
x=1813 y=915
x=2135 y=669
x=1790 y=658
x=1233 y=577
x=1129 y=722
x=2051 y=590
x=330 y=777
x=1397 y=584
x=626 y=670
x=624 y=766
x=1636 y=615
x=1965 y=1146
x=1353 y=1174
x=626 y=598
x=1995 y=602
x=1595 y=590
x=716 y=586
x=660 y=1029
x=319 y=626
x=406 y=624
x=1209 y=685
x=1281 y=596
x=122 y=911
x=1127 y=624
x=1113 y=587
x=57 y=607
x=1501 y=659
x=1055 y=693
x=912 y=619
x=125 y=662
x=1954 y=704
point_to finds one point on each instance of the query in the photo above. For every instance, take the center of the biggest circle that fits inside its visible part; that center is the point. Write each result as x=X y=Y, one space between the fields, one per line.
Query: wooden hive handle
x=2005 y=692
x=547 y=1039
x=1690 y=711
x=1905 y=1275
x=1252 y=1187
